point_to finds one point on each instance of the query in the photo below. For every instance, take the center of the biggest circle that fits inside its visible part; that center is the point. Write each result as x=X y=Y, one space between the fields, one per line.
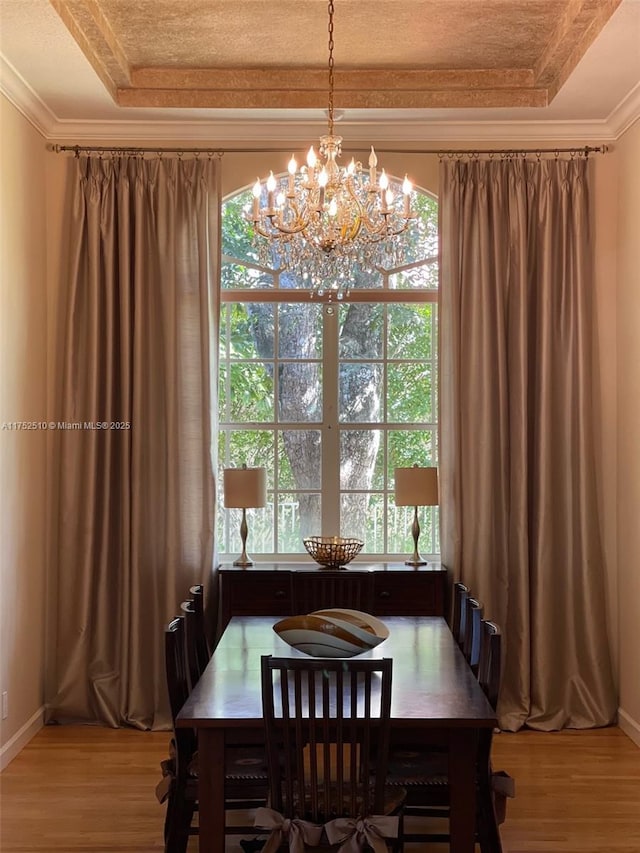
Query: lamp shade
x=245 y=487
x=416 y=486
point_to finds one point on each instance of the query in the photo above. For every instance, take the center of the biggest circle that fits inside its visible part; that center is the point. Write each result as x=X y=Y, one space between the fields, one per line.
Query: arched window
x=329 y=397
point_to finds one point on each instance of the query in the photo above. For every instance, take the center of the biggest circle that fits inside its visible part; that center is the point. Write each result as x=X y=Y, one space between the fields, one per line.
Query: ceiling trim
x=16 y=90
x=265 y=133
x=626 y=114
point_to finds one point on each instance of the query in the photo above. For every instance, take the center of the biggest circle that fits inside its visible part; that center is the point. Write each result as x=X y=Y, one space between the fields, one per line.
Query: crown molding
x=412 y=133
x=18 y=92
x=415 y=134
x=626 y=113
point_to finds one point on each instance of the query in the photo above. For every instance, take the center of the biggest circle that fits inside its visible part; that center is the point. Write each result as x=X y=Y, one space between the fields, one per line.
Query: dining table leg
x=462 y=789
x=211 y=790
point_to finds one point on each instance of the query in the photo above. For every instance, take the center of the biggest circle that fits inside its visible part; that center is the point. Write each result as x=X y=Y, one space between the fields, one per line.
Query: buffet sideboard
x=286 y=589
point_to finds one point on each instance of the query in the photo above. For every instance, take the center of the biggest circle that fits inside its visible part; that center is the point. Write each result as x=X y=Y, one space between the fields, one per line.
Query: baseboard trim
x=629 y=726
x=21 y=738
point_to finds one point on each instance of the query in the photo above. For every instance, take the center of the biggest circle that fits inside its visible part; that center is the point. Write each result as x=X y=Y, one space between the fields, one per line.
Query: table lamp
x=244 y=488
x=416 y=487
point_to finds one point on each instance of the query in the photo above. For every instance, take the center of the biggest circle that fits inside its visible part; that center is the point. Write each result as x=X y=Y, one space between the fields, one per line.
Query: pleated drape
x=134 y=492
x=518 y=495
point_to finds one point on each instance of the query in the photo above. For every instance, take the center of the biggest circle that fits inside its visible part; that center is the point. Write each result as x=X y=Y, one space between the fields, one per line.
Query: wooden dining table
x=435 y=699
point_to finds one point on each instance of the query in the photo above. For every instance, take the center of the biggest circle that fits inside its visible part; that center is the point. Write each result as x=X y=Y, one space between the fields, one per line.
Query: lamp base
x=243 y=560
x=416 y=560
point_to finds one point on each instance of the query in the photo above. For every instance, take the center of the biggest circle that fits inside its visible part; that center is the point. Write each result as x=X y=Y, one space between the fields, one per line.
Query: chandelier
x=320 y=221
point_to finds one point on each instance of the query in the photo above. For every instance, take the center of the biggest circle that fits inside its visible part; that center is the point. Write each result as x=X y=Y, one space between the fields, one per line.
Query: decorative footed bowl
x=332 y=551
x=332 y=633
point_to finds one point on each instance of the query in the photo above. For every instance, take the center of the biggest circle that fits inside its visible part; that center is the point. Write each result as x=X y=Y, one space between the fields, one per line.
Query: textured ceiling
x=402 y=54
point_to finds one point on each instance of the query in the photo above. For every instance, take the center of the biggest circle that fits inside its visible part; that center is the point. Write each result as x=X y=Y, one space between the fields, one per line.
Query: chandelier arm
x=284 y=230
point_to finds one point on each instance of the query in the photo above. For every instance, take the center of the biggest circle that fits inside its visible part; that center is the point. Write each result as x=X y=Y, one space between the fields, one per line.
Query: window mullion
x=330 y=430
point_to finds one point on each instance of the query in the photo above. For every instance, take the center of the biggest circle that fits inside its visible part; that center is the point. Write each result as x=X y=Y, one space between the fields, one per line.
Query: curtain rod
x=582 y=151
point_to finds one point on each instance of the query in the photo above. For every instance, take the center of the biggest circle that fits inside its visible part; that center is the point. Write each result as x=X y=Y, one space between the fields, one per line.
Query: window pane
x=361 y=330
x=409 y=331
x=260 y=531
x=247 y=331
x=409 y=393
x=368 y=279
x=424 y=236
x=360 y=390
x=362 y=516
x=252 y=447
x=300 y=331
x=400 y=521
x=239 y=277
x=300 y=393
x=410 y=447
x=237 y=231
x=251 y=398
x=299 y=515
x=361 y=463
x=299 y=459
x=423 y=277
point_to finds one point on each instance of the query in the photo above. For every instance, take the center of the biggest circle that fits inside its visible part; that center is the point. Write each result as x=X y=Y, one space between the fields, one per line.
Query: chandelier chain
x=331 y=66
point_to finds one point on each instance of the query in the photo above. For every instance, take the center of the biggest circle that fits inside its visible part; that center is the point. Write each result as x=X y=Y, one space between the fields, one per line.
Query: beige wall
x=628 y=426
x=22 y=452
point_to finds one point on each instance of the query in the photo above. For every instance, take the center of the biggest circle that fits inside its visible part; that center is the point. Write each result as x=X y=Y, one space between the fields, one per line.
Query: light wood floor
x=91 y=790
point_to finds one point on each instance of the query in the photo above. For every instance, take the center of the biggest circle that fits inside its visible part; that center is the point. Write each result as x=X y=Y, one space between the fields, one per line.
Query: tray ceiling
x=253 y=54
x=407 y=71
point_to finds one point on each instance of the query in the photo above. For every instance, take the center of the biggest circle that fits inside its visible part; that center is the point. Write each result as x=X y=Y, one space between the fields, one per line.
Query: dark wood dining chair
x=197 y=646
x=458 y=621
x=203 y=647
x=245 y=767
x=193 y=665
x=473 y=631
x=424 y=774
x=327 y=730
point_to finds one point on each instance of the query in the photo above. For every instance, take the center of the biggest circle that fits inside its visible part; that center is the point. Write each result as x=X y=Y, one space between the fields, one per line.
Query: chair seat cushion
x=243 y=766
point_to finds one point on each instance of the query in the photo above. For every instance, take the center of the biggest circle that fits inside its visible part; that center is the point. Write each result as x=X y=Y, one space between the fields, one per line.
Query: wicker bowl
x=332 y=551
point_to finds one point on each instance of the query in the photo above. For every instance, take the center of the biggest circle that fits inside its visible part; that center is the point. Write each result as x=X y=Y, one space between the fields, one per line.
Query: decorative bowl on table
x=332 y=551
x=332 y=633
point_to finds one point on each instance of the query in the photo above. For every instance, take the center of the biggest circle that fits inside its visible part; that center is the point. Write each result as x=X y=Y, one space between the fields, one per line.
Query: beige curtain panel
x=518 y=495
x=135 y=502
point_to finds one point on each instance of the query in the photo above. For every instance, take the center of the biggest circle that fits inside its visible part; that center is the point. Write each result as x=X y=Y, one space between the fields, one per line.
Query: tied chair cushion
x=354 y=835
x=358 y=834
x=295 y=831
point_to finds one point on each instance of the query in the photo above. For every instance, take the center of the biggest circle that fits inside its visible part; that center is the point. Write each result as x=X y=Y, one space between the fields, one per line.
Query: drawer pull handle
x=280 y=593
x=385 y=594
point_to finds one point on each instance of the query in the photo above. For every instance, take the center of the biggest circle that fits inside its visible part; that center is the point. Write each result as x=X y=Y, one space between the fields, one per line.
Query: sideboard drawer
x=258 y=594
x=408 y=594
